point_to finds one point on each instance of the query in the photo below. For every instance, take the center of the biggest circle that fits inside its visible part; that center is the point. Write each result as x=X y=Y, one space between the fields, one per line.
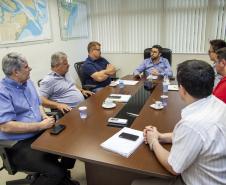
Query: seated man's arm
x=102 y=75
x=162 y=137
x=139 y=69
x=168 y=71
x=152 y=138
x=43 y=114
x=64 y=108
x=85 y=93
x=21 y=127
x=110 y=69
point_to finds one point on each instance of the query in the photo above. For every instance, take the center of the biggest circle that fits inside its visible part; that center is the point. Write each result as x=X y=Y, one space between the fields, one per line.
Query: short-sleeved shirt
x=220 y=90
x=19 y=102
x=218 y=77
x=147 y=65
x=91 y=66
x=199 y=143
x=60 y=89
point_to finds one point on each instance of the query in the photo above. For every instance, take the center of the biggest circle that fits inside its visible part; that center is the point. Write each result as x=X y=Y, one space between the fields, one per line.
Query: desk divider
x=133 y=107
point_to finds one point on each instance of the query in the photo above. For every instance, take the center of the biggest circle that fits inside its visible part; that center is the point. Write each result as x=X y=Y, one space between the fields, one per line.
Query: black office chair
x=10 y=168
x=166 y=53
x=78 y=69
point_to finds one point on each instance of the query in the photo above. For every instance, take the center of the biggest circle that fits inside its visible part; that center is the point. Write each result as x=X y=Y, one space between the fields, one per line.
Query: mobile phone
x=115 y=97
x=128 y=136
x=57 y=129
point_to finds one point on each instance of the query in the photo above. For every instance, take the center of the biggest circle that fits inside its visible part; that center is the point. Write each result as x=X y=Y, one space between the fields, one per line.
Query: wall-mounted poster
x=73 y=19
x=24 y=21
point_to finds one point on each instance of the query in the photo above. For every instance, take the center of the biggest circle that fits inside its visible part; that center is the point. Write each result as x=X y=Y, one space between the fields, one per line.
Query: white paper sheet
x=122 y=97
x=123 y=146
x=173 y=87
x=128 y=82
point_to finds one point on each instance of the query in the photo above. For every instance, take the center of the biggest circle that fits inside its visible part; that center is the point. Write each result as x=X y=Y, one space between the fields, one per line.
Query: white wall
x=38 y=55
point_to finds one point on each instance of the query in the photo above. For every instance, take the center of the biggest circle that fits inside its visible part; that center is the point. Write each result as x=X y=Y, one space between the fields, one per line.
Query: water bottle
x=121 y=84
x=165 y=84
x=166 y=79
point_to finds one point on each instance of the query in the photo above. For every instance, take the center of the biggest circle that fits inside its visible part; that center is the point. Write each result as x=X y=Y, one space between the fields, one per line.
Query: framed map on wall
x=73 y=19
x=24 y=21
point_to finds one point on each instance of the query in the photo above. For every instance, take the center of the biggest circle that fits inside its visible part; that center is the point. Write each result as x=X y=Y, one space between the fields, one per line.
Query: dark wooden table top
x=82 y=137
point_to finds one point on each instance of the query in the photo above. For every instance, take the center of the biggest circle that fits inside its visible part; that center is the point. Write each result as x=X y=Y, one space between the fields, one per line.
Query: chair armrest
x=7 y=143
x=114 y=78
x=52 y=113
x=89 y=87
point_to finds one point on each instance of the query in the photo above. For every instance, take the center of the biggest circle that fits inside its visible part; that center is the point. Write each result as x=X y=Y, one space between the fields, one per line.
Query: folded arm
x=102 y=75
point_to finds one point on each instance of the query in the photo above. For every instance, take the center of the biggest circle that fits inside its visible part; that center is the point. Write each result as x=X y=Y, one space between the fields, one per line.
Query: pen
x=132 y=114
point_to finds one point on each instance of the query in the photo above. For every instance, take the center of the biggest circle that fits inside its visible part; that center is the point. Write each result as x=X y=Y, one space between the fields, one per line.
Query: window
x=130 y=26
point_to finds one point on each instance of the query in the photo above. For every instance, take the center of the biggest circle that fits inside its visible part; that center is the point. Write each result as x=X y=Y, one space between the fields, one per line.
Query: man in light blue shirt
x=22 y=119
x=155 y=65
x=57 y=90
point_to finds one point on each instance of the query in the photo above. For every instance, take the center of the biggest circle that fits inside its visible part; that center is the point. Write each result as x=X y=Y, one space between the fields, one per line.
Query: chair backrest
x=166 y=53
x=78 y=68
x=7 y=164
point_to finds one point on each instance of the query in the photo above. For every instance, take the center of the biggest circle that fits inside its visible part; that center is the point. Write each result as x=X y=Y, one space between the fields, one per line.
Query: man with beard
x=155 y=65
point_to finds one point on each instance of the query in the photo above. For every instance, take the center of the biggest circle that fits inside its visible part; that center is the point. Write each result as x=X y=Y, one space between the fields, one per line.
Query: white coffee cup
x=158 y=104
x=108 y=102
x=83 y=112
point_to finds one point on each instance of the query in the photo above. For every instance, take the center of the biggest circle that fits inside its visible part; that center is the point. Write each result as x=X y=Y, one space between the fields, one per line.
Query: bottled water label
x=121 y=84
x=165 y=87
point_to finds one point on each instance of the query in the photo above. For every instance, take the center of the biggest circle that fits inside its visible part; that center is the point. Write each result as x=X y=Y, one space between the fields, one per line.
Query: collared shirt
x=147 y=65
x=218 y=77
x=199 y=143
x=60 y=89
x=19 y=102
x=220 y=90
x=91 y=66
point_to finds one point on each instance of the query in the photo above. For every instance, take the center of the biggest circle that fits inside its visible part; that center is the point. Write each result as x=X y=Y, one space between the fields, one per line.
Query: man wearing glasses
x=23 y=119
x=97 y=70
x=220 y=90
x=214 y=46
x=155 y=65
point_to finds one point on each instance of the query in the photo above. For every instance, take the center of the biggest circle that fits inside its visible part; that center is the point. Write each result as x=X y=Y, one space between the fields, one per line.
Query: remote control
x=117 y=120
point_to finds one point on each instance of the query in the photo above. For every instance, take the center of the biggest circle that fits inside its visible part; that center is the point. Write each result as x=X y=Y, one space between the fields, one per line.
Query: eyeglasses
x=211 y=51
x=154 y=52
x=97 y=49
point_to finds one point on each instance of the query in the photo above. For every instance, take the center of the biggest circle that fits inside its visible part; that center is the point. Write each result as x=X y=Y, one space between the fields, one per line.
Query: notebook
x=122 y=146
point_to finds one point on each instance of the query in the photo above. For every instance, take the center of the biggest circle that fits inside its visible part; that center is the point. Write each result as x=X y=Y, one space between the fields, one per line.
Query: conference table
x=82 y=137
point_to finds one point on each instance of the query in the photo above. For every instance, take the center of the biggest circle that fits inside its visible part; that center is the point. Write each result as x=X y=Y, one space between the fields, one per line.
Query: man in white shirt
x=198 y=153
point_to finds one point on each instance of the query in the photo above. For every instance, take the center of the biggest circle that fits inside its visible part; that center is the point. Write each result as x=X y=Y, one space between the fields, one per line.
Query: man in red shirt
x=220 y=90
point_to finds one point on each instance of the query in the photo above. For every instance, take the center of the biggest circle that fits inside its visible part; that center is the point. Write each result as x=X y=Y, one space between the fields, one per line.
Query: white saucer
x=155 y=107
x=113 y=84
x=152 y=77
x=112 y=105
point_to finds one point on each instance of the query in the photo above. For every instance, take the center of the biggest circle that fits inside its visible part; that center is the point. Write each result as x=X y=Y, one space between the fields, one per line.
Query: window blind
x=130 y=26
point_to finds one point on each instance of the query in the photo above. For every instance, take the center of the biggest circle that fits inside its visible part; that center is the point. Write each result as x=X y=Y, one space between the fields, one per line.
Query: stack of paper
x=173 y=87
x=123 y=146
x=128 y=82
x=119 y=97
